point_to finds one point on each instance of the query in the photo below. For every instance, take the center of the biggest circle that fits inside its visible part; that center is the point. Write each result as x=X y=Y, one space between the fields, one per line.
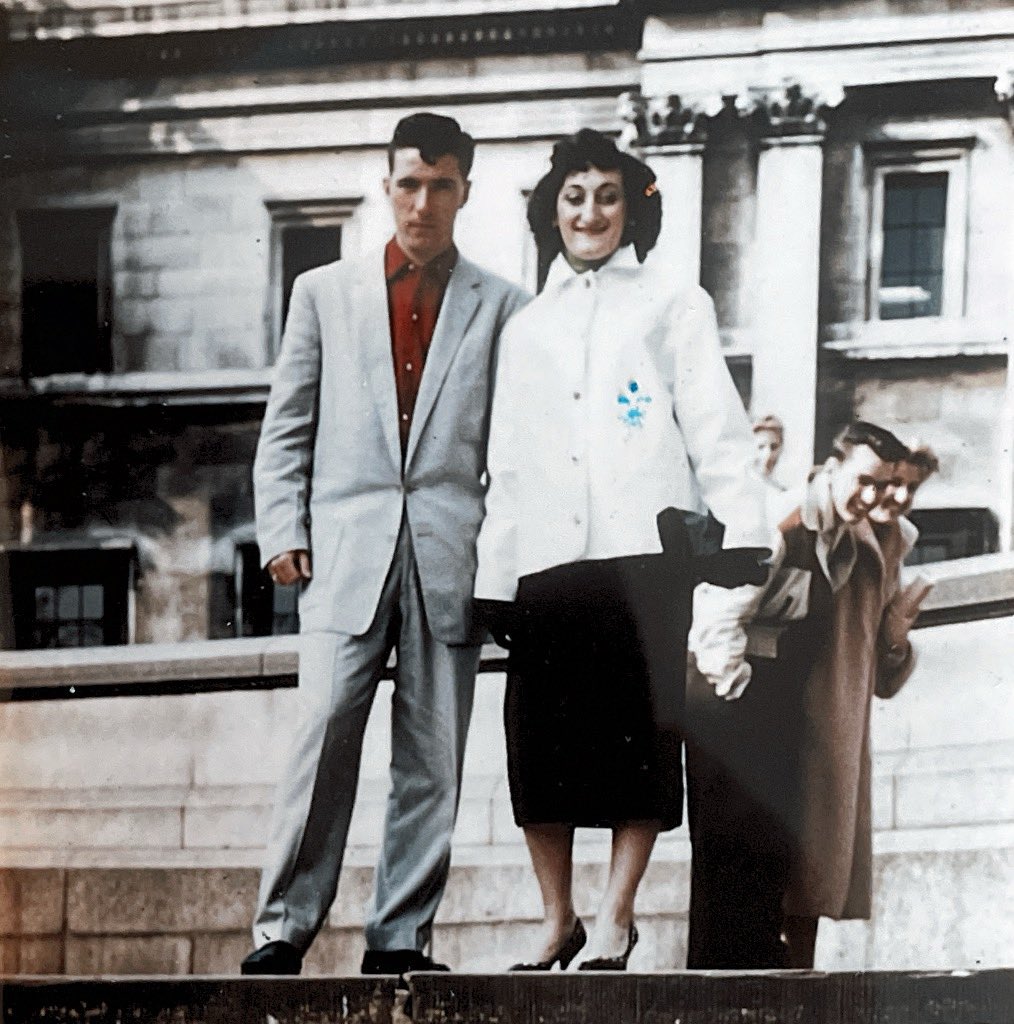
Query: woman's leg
x=551 y=846
x=632 y=846
x=801 y=937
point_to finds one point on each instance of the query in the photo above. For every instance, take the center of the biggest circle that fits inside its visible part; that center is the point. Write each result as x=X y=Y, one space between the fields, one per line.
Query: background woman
x=612 y=402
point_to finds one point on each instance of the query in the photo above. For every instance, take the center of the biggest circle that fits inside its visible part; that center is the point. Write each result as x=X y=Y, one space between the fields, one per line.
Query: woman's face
x=591 y=213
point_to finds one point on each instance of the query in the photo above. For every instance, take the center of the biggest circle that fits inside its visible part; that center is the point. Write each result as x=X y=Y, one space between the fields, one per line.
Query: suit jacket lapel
x=374 y=337
x=461 y=300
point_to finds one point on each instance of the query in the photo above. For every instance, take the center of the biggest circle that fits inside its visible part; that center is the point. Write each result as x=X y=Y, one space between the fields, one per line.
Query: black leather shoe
x=572 y=945
x=612 y=963
x=398 y=961
x=275 y=958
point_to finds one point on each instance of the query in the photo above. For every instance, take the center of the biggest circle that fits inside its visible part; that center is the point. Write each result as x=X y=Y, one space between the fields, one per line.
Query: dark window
x=262 y=609
x=70 y=598
x=305 y=246
x=66 y=292
x=946 y=533
x=912 y=266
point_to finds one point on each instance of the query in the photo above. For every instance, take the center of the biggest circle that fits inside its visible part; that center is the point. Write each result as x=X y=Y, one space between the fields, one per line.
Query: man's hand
x=901 y=613
x=290 y=567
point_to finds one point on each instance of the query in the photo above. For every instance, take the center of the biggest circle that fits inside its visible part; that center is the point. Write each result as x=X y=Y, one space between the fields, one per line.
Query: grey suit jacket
x=328 y=473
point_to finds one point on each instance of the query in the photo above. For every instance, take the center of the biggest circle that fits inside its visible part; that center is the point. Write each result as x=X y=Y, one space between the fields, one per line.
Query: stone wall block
x=474 y=825
x=974 y=796
x=336 y=951
x=883 y=802
x=182 y=282
x=842 y=945
x=226 y=827
x=60 y=828
x=367 y=825
x=943 y=909
x=159 y=252
x=126 y=901
x=355 y=893
x=134 y=220
x=135 y=284
x=31 y=955
x=493 y=892
x=221 y=952
x=31 y=901
x=142 y=954
x=665 y=888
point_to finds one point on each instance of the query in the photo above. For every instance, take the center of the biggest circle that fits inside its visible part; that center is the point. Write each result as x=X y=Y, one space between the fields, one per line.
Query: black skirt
x=595 y=693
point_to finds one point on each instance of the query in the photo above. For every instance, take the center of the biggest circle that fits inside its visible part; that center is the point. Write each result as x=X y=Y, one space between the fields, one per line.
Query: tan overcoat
x=832 y=873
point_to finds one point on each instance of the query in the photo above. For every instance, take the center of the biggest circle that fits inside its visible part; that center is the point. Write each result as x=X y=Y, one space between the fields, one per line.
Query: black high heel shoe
x=572 y=945
x=612 y=963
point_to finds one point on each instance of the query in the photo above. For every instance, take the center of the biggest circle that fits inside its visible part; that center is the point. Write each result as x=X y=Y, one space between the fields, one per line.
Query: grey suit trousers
x=430 y=712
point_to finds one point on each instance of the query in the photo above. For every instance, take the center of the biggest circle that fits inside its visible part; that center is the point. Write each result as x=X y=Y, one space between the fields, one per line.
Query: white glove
x=725 y=667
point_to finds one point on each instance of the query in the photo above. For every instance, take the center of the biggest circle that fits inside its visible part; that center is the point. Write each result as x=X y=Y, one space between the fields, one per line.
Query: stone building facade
x=837 y=174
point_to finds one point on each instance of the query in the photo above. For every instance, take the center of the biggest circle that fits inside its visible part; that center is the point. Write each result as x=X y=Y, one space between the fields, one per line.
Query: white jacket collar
x=561 y=272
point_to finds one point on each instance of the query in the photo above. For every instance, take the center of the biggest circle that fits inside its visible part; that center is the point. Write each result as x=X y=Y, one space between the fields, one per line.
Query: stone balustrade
x=131 y=830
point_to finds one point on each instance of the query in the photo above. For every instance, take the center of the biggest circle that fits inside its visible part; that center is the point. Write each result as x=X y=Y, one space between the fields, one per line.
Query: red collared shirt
x=414 y=296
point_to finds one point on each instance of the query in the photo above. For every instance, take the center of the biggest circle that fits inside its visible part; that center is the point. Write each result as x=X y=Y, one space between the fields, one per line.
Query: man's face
x=859 y=482
x=769 y=447
x=425 y=199
x=900 y=494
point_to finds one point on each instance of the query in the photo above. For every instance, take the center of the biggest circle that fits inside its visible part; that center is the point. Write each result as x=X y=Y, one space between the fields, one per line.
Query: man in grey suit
x=369 y=495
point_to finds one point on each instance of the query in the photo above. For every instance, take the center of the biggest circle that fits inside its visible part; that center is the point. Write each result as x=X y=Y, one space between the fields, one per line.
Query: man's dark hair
x=882 y=441
x=434 y=136
x=587 y=149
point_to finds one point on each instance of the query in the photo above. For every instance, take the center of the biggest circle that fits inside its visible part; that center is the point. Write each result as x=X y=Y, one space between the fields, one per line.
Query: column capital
x=657 y=122
x=790 y=110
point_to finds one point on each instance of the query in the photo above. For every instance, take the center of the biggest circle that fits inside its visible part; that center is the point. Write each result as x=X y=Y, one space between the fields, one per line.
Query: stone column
x=670 y=135
x=786 y=266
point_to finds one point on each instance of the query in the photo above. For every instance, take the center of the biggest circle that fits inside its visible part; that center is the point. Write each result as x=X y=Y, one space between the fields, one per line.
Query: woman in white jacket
x=612 y=402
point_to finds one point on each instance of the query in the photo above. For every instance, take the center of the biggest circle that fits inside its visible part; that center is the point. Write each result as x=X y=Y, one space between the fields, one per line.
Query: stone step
x=942 y=898
x=985 y=997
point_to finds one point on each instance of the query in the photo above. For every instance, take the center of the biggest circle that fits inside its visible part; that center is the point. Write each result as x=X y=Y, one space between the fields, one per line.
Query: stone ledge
x=168 y=668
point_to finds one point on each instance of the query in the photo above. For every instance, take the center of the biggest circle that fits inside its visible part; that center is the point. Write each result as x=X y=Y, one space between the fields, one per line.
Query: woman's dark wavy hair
x=589 y=148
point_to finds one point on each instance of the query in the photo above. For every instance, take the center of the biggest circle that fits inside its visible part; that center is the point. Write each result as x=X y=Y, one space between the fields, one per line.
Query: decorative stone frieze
x=659 y=121
x=791 y=109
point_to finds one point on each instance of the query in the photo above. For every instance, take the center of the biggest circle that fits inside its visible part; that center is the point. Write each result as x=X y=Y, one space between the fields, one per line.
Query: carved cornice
x=791 y=109
x=301 y=45
x=661 y=121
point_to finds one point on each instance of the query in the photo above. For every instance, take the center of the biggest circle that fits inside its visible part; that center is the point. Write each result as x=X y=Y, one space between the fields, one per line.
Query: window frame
x=285 y=213
x=58 y=565
x=103 y=216
x=952 y=160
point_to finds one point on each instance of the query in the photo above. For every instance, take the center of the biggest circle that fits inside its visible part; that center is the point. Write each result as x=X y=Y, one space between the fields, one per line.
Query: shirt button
x=577 y=395
x=574 y=459
x=577 y=520
x=587 y=282
x=415 y=316
x=404 y=416
x=408 y=366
